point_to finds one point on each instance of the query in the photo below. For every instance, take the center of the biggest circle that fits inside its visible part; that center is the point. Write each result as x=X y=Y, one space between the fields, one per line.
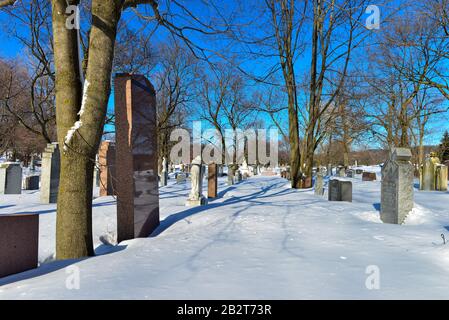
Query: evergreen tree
x=444 y=147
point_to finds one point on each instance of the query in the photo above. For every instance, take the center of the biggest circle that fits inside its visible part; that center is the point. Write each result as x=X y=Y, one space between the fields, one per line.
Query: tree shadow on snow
x=252 y=199
x=55 y=265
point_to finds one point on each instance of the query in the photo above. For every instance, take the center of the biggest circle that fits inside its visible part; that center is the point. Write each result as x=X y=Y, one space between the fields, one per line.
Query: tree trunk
x=80 y=123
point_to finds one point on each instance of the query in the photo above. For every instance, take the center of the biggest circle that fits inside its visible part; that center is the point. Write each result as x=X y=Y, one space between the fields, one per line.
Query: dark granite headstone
x=19 y=238
x=212 y=181
x=136 y=157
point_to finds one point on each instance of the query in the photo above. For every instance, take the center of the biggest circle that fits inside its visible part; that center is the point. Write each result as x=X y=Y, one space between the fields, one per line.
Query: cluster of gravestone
x=396 y=183
x=433 y=174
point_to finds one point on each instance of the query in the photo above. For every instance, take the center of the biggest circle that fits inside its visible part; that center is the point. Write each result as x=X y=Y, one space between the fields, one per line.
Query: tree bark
x=74 y=213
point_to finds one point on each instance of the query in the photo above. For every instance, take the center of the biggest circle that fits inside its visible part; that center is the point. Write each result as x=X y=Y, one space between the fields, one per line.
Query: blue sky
x=11 y=48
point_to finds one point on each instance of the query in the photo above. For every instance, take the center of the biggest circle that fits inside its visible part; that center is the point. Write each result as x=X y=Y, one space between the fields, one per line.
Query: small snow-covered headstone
x=340 y=190
x=397 y=187
x=196 y=177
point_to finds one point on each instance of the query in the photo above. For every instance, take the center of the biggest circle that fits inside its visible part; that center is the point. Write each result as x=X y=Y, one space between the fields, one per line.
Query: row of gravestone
x=396 y=187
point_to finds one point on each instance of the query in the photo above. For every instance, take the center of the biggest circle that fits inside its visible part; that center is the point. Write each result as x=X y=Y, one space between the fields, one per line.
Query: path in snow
x=258 y=240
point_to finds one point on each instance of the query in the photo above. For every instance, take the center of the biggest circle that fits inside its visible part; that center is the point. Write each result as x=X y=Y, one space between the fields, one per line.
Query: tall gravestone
x=196 y=178
x=10 y=178
x=212 y=175
x=136 y=157
x=397 y=187
x=50 y=173
x=107 y=164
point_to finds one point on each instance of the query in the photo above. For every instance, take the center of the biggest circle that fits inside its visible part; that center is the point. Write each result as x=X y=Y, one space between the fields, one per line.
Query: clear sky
x=11 y=48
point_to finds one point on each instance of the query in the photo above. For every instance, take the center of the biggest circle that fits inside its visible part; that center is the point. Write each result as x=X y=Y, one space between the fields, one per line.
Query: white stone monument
x=196 y=197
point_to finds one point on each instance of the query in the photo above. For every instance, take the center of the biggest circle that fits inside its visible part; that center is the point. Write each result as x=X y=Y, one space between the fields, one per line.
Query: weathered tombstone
x=341 y=171
x=428 y=172
x=164 y=172
x=212 y=175
x=397 y=187
x=368 y=176
x=441 y=177
x=18 y=243
x=340 y=190
x=136 y=157
x=10 y=178
x=50 y=173
x=319 y=184
x=196 y=177
x=31 y=183
x=107 y=164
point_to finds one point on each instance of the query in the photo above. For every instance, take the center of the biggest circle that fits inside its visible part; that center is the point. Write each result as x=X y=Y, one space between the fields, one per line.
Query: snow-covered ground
x=258 y=240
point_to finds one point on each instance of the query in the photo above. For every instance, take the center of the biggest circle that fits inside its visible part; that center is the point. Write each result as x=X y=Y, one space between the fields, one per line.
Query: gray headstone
x=319 y=184
x=340 y=190
x=50 y=173
x=31 y=183
x=10 y=178
x=397 y=187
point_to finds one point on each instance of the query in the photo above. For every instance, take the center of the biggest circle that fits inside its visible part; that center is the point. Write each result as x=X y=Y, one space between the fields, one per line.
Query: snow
x=258 y=240
x=78 y=124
